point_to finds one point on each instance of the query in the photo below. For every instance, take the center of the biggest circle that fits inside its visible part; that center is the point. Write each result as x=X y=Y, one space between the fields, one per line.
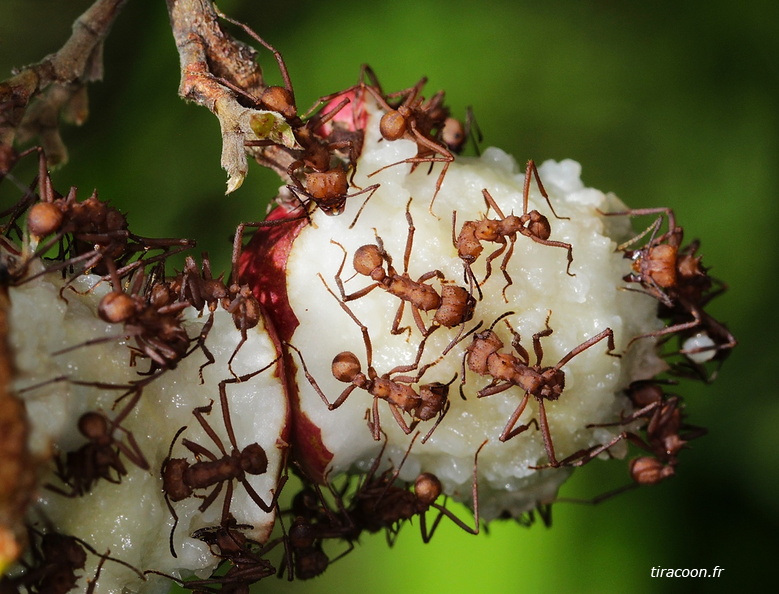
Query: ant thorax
x=74 y=362
x=525 y=272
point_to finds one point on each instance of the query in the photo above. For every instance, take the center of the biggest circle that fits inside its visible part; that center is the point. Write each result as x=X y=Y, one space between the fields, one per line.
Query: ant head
x=649 y=471
x=453 y=134
x=254 y=460
x=44 y=219
x=538 y=225
x=427 y=488
x=393 y=125
x=553 y=383
x=116 y=307
x=367 y=259
x=346 y=366
x=173 y=471
x=93 y=425
x=328 y=189
x=279 y=99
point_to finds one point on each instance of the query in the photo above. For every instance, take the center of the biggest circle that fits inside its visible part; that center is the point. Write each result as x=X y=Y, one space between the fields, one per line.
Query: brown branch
x=58 y=83
x=217 y=71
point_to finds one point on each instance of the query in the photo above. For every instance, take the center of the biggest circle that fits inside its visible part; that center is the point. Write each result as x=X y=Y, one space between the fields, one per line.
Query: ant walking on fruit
x=484 y=356
x=181 y=478
x=417 y=120
x=453 y=306
x=98 y=459
x=531 y=224
x=424 y=404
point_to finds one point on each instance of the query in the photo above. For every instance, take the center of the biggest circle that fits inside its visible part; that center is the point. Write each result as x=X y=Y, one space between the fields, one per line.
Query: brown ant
x=453 y=306
x=154 y=321
x=325 y=185
x=244 y=559
x=531 y=224
x=484 y=356
x=180 y=478
x=55 y=560
x=429 y=401
x=417 y=120
x=98 y=231
x=682 y=286
x=380 y=504
x=662 y=416
x=98 y=458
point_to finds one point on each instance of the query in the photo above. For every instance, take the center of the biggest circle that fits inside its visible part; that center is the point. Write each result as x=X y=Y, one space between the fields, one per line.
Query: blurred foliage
x=664 y=103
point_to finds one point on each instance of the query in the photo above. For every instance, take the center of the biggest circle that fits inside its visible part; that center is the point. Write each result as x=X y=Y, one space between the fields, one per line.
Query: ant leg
x=365 y=336
x=588 y=343
x=510 y=430
x=443 y=511
x=532 y=169
x=198 y=412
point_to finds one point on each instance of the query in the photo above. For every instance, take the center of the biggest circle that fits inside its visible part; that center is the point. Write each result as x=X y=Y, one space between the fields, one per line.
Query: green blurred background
x=664 y=103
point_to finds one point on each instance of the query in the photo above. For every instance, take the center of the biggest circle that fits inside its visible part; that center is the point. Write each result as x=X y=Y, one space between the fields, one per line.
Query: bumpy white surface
x=582 y=306
x=131 y=519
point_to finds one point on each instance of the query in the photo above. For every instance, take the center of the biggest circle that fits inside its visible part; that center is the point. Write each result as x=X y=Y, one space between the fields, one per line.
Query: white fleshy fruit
x=578 y=306
x=131 y=519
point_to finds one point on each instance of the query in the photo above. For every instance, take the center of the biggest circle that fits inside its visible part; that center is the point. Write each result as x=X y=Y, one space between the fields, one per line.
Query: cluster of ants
x=61 y=234
x=73 y=237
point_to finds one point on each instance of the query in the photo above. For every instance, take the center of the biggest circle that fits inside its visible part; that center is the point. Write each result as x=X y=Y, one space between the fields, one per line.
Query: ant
x=55 y=560
x=662 y=416
x=180 y=478
x=453 y=306
x=243 y=557
x=543 y=383
x=429 y=401
x=154 y=322
x=531 y=224
x=380 y=504
x=676 y=278
x=98 y=458
x=98 y=231
x=416 y=120
x=325 y=185
x=198 y=288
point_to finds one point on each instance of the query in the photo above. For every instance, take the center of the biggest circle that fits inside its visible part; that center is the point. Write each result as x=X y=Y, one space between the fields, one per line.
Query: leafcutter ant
x=531 y=224
x=430 y=399
x=98 y=459
x=484 y=356
x=453 y=306
x=181 y=478
x=417 y=120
